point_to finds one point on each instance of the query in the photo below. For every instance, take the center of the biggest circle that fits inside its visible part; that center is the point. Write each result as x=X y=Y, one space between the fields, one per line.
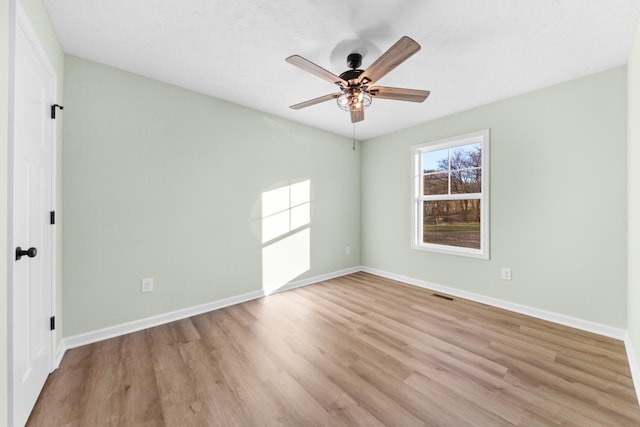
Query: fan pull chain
x=354 y=137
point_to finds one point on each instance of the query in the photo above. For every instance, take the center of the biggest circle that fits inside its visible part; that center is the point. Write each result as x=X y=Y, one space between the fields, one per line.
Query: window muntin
x=450 y=202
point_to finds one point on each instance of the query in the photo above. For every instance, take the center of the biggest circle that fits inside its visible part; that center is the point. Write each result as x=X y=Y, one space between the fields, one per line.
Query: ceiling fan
x=356 y=91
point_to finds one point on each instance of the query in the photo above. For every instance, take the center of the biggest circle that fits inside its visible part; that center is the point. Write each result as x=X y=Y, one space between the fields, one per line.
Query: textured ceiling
x=473 y=51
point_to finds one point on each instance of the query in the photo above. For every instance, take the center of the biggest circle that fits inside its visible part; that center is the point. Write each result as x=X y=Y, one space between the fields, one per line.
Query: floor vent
x=443 y=297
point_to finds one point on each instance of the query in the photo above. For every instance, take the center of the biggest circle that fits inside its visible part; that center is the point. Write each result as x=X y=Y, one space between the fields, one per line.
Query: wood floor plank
x=358 y=350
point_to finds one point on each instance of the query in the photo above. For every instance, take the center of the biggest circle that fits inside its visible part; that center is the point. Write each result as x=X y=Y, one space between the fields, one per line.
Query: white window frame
x=418 y=197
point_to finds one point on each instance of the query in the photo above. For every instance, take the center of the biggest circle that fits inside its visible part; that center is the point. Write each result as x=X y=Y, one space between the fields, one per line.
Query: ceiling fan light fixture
x=355 y=91
x=354 y=99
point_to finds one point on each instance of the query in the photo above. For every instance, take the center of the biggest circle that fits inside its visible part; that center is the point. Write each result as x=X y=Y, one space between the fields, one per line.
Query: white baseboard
x=149 y=322
x=634 y=364
x=561 y=319
x=321 y=278
x=59 y=354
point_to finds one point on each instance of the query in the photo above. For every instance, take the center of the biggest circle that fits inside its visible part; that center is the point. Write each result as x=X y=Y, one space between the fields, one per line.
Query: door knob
x=31 y=252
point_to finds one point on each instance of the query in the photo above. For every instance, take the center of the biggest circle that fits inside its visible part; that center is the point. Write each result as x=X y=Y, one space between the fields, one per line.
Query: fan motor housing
x=351 y=74
x=354 y=60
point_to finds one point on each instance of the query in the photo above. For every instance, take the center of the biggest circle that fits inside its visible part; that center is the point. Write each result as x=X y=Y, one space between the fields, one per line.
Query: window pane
x=452 y=222
x=435 y=161
x=466 y=156
x=436 y=183
x=466 y=181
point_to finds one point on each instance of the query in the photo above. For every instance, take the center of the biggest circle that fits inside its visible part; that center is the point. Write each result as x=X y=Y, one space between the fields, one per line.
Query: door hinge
x=52 y=217
x=52 y=323
x=53 y=110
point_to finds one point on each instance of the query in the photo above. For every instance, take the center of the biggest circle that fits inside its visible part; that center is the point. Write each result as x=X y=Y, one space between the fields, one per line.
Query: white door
x=31 y=337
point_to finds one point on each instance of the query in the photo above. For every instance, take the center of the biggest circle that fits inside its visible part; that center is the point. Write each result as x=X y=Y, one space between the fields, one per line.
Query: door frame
x=19 y=21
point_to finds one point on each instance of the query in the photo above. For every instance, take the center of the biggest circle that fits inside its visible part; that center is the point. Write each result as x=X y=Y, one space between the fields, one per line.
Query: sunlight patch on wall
x=286 y=233
x=285 y=260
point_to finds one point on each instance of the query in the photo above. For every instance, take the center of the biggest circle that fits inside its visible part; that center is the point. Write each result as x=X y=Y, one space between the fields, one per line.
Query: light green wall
x=165 y=183
x=558 y=201
x=4 y=164
x=633 y=162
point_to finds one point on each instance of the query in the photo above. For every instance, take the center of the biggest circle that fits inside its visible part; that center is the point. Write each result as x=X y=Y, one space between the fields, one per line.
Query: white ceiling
x=473 y=51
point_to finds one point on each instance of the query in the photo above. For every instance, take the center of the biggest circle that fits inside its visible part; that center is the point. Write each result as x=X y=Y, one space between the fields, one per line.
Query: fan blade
x=357 y=116
x=317 y=70
x=315 y=101
x=396 y=55
x=398 y=93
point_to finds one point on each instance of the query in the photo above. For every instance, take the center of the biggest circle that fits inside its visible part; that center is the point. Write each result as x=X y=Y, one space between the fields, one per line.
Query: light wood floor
x=357 y=350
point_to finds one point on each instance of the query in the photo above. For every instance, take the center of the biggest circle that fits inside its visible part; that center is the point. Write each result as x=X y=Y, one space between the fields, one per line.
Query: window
x=450 y=203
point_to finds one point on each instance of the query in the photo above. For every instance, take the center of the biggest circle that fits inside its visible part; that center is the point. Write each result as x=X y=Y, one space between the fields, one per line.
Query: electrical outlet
x=146 y=285
x=506 y=273
x=347 y=250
